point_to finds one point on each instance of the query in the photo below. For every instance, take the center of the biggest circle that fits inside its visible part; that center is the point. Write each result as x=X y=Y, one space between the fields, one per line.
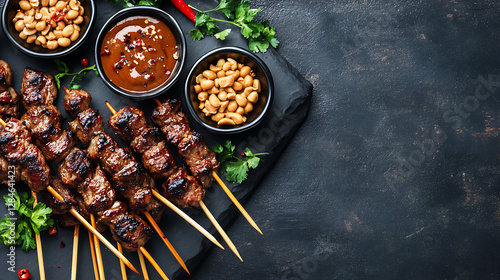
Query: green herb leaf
x=259 y=34
x=78 y=76
x=31 y=220
x=222 y=35
x=236 y=171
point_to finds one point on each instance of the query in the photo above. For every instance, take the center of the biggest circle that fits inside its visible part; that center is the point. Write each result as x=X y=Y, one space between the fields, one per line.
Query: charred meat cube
x=76 y=101
x=5 y=75
x=199 y=158
x=60 y=207
x=34 y=170
x=14 y=140
x=183 y=189
x=75 y=168
x=9 y=102
x=129 y=122
x=8 y=172
x=128 y=229
x=87 y=125
x=37 y=88
x=97 y=192
x=156 y=156
x=172 y=121
x=44 y=123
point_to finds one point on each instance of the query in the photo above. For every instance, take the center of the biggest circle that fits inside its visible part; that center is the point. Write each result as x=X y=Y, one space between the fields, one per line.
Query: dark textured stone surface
x=386 y=74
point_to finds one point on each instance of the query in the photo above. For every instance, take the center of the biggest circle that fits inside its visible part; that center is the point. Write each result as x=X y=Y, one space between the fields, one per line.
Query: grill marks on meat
x=5 y=75
x=87 y=125
x=128 y=229
x=128 y=175
x=6 y=172
x=192 y=148
x=9 y=102
x=44 y=122
x=37 y=88
x=16 y=148
x=75 y=168
x=98 y=194
x=181 y=188
x=76 y=101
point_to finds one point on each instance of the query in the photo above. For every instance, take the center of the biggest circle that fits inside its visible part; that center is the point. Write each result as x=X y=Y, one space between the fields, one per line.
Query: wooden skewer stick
x=87 y=225
x=153 y=262
x=94 y=259
x=74 y=261
x=187 y=218
x=38 y=240
x=94 y=231
x=143 y=266
x=100 y=266
x=164 y=238
x=236 y=202
x=175 y=208
x=220 y=230
x=229 y=193
x=122 y=265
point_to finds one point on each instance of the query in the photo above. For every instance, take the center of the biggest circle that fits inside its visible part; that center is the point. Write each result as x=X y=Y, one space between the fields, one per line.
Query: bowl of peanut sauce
x=140 y=52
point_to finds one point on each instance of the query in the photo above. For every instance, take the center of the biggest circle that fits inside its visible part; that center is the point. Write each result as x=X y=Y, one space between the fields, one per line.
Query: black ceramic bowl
x=8 y=13
x=159 y=15
x=260 y=108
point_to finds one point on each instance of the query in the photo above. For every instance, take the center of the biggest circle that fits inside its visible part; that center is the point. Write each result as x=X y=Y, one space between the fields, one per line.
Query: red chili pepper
x=24 y=274
x=58 y=16
x=242 y=154
x=52 y=230
x=185 y=9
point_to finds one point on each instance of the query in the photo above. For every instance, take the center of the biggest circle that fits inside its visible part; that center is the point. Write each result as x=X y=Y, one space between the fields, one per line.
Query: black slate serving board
x=289 y=110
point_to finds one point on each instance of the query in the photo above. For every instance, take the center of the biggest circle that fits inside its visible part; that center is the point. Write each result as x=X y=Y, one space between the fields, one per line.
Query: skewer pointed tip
x=157 y=101
x=236 y=202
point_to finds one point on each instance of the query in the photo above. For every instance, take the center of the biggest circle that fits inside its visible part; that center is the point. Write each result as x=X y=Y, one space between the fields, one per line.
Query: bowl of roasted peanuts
x=229 y=90
x=47 y=28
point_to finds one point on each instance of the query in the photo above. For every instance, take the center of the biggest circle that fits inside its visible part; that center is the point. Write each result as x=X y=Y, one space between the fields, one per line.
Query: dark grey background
x=385 y=74
x=394 y=174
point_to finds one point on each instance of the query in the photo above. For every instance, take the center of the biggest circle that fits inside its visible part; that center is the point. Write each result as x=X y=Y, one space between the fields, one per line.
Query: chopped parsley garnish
x=31 y=221
x=259 y=34
x=236 y=169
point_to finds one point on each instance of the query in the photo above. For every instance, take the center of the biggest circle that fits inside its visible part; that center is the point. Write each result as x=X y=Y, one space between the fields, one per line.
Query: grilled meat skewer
x=192 y=148
x=180 y=188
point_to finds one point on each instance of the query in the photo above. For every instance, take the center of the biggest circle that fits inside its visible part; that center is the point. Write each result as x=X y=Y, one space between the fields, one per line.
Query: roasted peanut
x=248 y=107
x=72 y=14
x=68 y=30
x=78 y=20
x=222 y=95
x=209 y=74
x=256 y=85
x=214 y=101
x=214 y=68
x=234 y=64
x=237 y=118
x=19 y=25
x=240 y=111
x=237 y=86
x=232 y=106
x=64 y=42
x=241 y=100
x=220 y=62
x=226 y=81
x=221 y=74
x=245 y=71
x=210 y=109
x=25 y=5
x=226 y=121
x=60 y=5
x=52 y=45
x=247 y=91
x=202 y=96
x=74 y=36
x=207 y=84
x=253 y=97
x=223 y=106
x=217 y=117
x=31 y=39
x=197 y=88
x=248 y=82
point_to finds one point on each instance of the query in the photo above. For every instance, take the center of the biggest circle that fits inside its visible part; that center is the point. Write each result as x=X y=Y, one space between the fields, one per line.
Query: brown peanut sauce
x=139 y=54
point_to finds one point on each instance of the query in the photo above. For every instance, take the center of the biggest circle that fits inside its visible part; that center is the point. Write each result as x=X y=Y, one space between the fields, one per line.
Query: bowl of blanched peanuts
x=229 y=90
x=47 y=28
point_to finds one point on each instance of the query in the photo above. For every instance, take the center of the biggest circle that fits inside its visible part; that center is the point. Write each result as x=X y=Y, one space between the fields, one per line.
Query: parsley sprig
x=236 y=171
x=31 y=221
x=78 y=76
x=259 y=34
